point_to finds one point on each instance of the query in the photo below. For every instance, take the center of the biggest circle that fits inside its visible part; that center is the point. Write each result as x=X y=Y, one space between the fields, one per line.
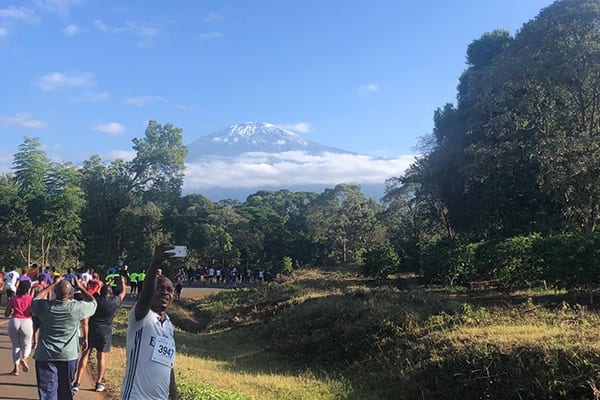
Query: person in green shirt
x=111 y=280
x=58 y=347
x=133 y=278
x=140 y=280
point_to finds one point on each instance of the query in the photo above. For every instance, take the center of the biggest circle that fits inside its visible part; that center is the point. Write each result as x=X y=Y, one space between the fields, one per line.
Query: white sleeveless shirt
x=150 y=358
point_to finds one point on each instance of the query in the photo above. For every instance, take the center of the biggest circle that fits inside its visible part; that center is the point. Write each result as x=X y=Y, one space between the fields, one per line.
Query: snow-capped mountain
x=247 y=137
x=244 y=158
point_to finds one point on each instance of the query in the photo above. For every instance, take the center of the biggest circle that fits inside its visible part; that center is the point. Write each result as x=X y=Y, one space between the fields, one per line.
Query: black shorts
x=100 y=342
x=36 y=322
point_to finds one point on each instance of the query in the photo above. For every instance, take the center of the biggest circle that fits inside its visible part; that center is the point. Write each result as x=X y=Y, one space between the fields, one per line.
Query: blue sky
x=85 y=76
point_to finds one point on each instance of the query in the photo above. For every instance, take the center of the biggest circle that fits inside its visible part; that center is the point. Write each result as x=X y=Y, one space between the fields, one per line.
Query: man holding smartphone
x=150 y=343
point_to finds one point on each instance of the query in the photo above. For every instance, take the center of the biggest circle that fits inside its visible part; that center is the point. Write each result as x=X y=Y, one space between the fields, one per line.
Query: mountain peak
x=258 y=128
x=253 y=137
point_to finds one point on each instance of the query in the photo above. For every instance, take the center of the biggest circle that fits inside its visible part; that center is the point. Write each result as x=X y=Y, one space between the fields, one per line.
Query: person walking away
x=20 y=326
x=179 y=284
x=150 y=344
x=58 y=348
x=11 y=278
x=140 y=281
x=36 y=287
x=133 y=278
x=94 y=284
x=86 y=275
x=1 y=283
x=100 y=334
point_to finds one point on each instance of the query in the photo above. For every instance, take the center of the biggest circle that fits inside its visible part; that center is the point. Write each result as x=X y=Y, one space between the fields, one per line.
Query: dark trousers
x=54 y=379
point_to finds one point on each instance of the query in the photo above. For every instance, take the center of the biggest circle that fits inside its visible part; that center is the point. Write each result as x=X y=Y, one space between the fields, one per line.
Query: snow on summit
x=248 y=137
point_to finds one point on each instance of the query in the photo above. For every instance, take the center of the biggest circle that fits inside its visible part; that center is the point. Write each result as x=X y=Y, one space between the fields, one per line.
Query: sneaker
x=99 y=387
x=75 y=387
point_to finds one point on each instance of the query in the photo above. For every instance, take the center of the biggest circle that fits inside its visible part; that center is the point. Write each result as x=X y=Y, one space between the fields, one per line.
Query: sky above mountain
x=85 y=76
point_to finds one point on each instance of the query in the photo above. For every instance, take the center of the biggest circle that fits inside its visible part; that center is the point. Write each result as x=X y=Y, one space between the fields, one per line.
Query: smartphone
x=179 y=251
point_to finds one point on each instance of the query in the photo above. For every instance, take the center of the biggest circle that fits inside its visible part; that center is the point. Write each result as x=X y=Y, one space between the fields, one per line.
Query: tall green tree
x=346 y=220
x=154 y=175
x=52 y=200
x=13 y=221
x=519 y=153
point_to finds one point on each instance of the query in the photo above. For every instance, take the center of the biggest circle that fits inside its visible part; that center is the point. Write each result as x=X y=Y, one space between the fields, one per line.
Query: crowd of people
x=62 y=318
x=232 y=276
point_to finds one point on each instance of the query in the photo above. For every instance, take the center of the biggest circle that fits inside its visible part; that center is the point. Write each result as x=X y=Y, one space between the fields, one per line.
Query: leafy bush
x=517 y=263
x=380 y=261
x=448 y=261
x=563 y=261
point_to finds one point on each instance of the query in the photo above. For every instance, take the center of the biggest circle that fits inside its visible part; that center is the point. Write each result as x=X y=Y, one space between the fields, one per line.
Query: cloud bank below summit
x=290 y=169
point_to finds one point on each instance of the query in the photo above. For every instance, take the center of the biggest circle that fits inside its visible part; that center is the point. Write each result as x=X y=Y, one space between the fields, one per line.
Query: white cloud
x=11 y=17
x=210 y=35
x=126 y=155
x=213 y=17
x=143 y=34
x=61 y=7
x=57 y=79
x=73 y=30
x=300 y=127
x=101 y=26
x=292 y=168
x=112 y=128
x=19 y=14
x=142 y=101
x=94 y=97
x=23 y=120
x=369 y=89
x=184 y=107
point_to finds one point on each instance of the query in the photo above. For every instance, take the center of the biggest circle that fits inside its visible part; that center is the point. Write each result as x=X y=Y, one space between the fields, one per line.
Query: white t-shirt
x=86 y=277
x=150 y=358
x=11 y=280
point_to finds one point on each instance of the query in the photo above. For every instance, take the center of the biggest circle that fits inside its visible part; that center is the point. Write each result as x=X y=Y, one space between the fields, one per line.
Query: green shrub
x=380 y=261
x=517 y=263
x=448 y=261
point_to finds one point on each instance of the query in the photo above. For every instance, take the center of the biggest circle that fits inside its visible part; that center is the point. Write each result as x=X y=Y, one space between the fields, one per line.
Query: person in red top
x=20 y=326
x=1 y=284
x=94 y=284
x=33 y=272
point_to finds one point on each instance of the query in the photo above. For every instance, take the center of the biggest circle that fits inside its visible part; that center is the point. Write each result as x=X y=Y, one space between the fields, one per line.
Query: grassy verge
x=328 y=336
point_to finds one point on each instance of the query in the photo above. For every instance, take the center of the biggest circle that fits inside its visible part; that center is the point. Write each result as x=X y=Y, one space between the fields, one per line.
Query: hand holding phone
x=178 y=251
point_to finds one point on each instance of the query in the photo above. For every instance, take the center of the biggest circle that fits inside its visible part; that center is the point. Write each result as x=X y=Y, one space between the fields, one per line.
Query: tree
x=158 y=168
x=213 y=246
x=520 y=153
x=52 y=201
x=380 y=261
x=345 y=219
x=13 y=221
x=154 y=175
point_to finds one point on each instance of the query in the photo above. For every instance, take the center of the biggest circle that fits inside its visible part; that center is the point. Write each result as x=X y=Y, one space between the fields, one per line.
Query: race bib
x=164 y=351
